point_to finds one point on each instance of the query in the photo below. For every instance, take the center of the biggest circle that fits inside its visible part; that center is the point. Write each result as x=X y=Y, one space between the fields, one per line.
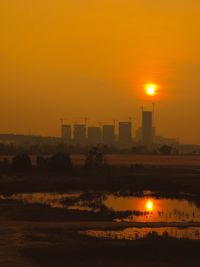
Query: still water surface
x=146 y=208
x=192 y=233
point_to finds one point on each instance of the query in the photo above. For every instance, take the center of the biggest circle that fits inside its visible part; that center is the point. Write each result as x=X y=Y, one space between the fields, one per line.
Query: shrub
x=60 y=161
x=22 y=162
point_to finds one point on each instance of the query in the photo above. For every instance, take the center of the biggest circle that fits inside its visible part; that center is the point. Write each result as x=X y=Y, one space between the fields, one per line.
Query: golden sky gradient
x=75 y=58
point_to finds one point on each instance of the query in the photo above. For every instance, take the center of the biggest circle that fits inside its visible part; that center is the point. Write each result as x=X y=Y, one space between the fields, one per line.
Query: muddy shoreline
x=38 y=235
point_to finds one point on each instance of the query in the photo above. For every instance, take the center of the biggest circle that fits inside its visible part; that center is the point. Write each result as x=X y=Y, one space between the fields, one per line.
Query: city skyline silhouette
x=74 y=59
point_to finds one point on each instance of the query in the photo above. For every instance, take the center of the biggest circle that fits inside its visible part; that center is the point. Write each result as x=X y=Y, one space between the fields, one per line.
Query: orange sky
x=90 y=58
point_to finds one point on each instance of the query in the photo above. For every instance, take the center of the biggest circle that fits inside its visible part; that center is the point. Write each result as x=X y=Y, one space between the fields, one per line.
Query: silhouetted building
x=94 y=135
x=125 y=134
x=80 y=134
x=147 y=128
x=108 y=135
x=138 y=135
x=66 y=133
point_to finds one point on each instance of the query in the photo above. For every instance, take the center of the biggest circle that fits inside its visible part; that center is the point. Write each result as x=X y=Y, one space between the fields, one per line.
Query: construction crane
x=130 y=119
x=85 y=119
x=153 y=113
x=105 y=123
x=62 y=121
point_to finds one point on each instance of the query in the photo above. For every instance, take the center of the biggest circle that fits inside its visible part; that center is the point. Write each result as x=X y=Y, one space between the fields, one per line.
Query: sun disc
x=151 y=89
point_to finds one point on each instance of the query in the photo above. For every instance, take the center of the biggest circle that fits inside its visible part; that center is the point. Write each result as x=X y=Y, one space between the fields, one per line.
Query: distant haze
x=75 y=59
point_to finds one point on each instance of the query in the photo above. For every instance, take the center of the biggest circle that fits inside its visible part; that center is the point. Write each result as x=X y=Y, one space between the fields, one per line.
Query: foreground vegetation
x=59 y=245
x=38 y=235
x=59 y=173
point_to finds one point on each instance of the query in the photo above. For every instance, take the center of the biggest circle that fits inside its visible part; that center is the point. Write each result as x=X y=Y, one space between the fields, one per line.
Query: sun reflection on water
x=149 y=205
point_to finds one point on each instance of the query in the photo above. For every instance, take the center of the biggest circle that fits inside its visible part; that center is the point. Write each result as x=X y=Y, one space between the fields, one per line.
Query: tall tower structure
x=66 y=133
x=147 y=128
x=108 y=137
x=80 y=134
x=125 y=134
x=94 y=135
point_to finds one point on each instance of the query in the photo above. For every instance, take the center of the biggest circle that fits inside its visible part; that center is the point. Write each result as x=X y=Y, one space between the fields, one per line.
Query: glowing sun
x=149 y=205
x=151 y=89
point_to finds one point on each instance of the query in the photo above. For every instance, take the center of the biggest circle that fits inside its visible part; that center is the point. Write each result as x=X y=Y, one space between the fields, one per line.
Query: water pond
x=133 y=233
x=147 y=207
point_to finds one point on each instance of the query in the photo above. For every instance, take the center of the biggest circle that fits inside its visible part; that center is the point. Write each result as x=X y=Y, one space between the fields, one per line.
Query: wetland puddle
x=133 y=233
x=148 y=207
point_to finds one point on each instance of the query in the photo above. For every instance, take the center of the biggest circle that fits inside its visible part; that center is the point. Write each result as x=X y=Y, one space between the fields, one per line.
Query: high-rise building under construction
x=94 y=135
x=80 y=134
x=108 y=137
x=66 y=133
x=147 y=128
x=125 y=134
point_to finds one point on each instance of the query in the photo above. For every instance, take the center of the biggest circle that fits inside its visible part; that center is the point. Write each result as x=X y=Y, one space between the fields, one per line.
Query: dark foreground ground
x=60 y=244
x=36 y=235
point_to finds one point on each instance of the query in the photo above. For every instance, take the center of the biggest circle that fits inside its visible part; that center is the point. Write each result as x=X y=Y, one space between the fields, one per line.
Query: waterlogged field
x=175 y=217
x=148 y=207
x=114 y=217
x=135 y=233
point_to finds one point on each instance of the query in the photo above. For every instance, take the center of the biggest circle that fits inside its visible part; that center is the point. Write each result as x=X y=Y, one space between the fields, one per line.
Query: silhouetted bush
x=95 y=158
x=41 y=162
x=165 y=150
x=60 y=161
x=22 y=162
x=4 y=165
x=139 y=150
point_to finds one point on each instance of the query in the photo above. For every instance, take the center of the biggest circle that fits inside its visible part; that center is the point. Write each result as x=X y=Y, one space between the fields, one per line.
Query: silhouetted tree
x=4 y=165
x=95 y=158
x=21 y=162
x=42 y=163
x=139 y=150
x=165 y=150
x=60 y=161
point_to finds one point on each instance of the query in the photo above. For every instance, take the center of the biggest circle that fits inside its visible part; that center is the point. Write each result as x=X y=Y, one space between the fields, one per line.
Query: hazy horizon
x=76 y=59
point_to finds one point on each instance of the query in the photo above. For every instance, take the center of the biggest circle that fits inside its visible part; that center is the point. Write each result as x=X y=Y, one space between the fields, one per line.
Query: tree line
x=60 y=161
